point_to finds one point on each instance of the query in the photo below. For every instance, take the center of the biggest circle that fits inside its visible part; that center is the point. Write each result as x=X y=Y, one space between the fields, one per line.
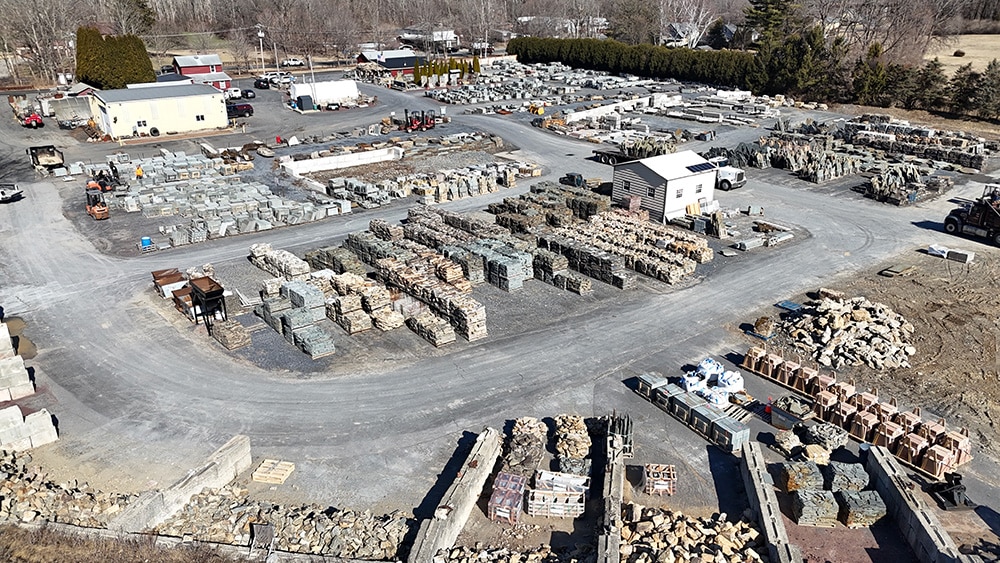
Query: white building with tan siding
x=667 y=184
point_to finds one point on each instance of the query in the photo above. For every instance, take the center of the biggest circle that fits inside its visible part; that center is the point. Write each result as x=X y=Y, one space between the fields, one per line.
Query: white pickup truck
x=10 y=192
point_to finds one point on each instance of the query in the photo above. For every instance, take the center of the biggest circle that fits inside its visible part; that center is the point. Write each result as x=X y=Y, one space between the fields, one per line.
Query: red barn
x=203 y=69
x=397 y=61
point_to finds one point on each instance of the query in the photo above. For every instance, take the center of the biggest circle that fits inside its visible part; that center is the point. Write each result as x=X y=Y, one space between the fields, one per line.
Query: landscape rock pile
x=526 y=447
x=572 y=439
x=815 y=508
x=541 y=554
x=852 y=332
x=655 y=535
x=860 y=509
x=224 y=515
x=26 y=495
x=787 y=442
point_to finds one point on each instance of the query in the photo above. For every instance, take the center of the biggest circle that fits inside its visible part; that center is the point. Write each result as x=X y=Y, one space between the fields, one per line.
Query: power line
x=217 y=31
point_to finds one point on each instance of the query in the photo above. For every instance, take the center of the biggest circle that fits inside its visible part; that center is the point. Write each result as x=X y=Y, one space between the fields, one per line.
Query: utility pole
x=260 y=37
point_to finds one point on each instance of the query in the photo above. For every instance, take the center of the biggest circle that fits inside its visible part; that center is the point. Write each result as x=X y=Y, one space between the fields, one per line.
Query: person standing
x=138 y=173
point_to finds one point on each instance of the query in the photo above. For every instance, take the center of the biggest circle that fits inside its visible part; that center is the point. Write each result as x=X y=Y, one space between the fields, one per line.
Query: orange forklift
x=97 y=207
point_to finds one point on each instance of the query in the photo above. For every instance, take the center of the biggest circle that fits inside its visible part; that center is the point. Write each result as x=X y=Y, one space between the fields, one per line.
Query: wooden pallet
x=273 y=471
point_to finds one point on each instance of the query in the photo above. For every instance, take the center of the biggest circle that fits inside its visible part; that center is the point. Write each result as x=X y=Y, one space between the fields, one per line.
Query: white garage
x=159 y=110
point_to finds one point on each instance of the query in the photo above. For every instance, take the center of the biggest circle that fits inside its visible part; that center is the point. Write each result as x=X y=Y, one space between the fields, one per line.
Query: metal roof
x=373 y=56
x=208 y=76
x=673 y=166
x=197 y=60
x=158 y=93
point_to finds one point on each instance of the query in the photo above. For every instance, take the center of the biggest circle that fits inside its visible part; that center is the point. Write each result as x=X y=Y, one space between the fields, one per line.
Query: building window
x=141 y=123
x=697 y=189
x=199 y=118
x=680 y=193
x=627 y=185
x=651 y=191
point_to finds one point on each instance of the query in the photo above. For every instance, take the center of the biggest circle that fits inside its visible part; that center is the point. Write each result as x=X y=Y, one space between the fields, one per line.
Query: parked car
x=166 y=69
x=332 y=106
x=249 y=94
x=232 y=93
x=292 y=61
x=261 y=83
x=282 y=80
x=239 y=110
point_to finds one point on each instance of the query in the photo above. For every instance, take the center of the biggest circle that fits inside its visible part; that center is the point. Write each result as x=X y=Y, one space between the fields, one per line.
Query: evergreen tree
x=475 y=64
x=769 y=17
x=932 y=85
x=988 y=98
x=962 y=89
x=88 y=54
x=416 y=74
x=871 y=78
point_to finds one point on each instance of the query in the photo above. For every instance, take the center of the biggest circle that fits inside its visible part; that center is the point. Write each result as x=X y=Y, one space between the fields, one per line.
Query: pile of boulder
x=225 y=515
x=525 y=447
x=541 y=554
x=26 y=495
x=656 y=535
x=840 y=332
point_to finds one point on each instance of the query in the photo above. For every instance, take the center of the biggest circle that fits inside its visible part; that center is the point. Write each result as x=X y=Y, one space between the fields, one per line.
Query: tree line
x=110 y=62
x=801 y=65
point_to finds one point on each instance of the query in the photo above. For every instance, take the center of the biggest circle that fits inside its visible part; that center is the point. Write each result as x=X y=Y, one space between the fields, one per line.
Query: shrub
x=959 y=53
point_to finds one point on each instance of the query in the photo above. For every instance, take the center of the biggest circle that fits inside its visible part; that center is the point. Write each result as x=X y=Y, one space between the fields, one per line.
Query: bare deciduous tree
x=694 y=16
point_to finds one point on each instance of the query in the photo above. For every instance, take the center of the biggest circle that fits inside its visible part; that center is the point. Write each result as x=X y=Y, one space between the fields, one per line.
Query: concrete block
x=962 y=256
x=10 y=417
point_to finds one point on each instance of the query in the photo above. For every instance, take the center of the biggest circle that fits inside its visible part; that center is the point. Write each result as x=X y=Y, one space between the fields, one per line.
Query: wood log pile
x=525 y=447
x=278 y=263
x=852 y=332
x=432 y=328
x=231 y=334
x=797 y=475
x=815 y=508
x=656 y=535
x=860 y=509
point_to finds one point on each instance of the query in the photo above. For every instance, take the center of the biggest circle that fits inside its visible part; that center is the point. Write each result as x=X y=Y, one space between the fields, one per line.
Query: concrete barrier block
x=5 y=395
x=19 y=391
x=46 y=436
x=12 y=434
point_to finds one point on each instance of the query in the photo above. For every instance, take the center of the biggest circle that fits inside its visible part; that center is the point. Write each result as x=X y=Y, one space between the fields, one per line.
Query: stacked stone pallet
x=297 y=313
x=375 y=298
x=588 y=260
x=827 y=435
x=271 y=310
x=387 y=319
x=505 y=267
x=654 y=535
x=553 y=269
x=315 y=341
x=337 y=259
x=278 y=263
x=525 y=448
x=470 y=224
x=27 y=495
x=815 y=508
x=860 y=509
x=839 y=476
x=641 y=234
x=852 y=332
x=467 y=315
x=798 y=475
x=385 y=230
x=226 y=515
x=370 y=249
x=471 y=264
x=349 y=284
x=354 y=322
x=231 y=334
x=572 y=437
x=432 y=328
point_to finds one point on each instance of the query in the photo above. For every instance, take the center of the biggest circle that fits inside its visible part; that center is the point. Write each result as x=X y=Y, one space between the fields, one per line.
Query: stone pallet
x=467 y=315
x=279 y=263
x=589 y=260
x=860 y=509
x=796 y=475
x=301 y=294
x=231 y=334
x=387 y=319
x=355 y=322
x=316 y=341
x=385 y=230
x=342 y=305
x=432 y=328
x=471 y=264
x=375 y=298
x=525 y=448
x=370 y=249
x=814 y=508
x=336 y=258
x=840 y=476
x=827 y=435
x=572 y=438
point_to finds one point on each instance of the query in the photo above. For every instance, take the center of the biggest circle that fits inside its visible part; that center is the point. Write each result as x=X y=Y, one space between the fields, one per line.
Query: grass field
x=979 y=50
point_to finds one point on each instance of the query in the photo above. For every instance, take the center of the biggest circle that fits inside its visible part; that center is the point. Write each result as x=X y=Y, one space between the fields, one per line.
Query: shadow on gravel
x=928 y=225
x=728 y=483
x=444 y=480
